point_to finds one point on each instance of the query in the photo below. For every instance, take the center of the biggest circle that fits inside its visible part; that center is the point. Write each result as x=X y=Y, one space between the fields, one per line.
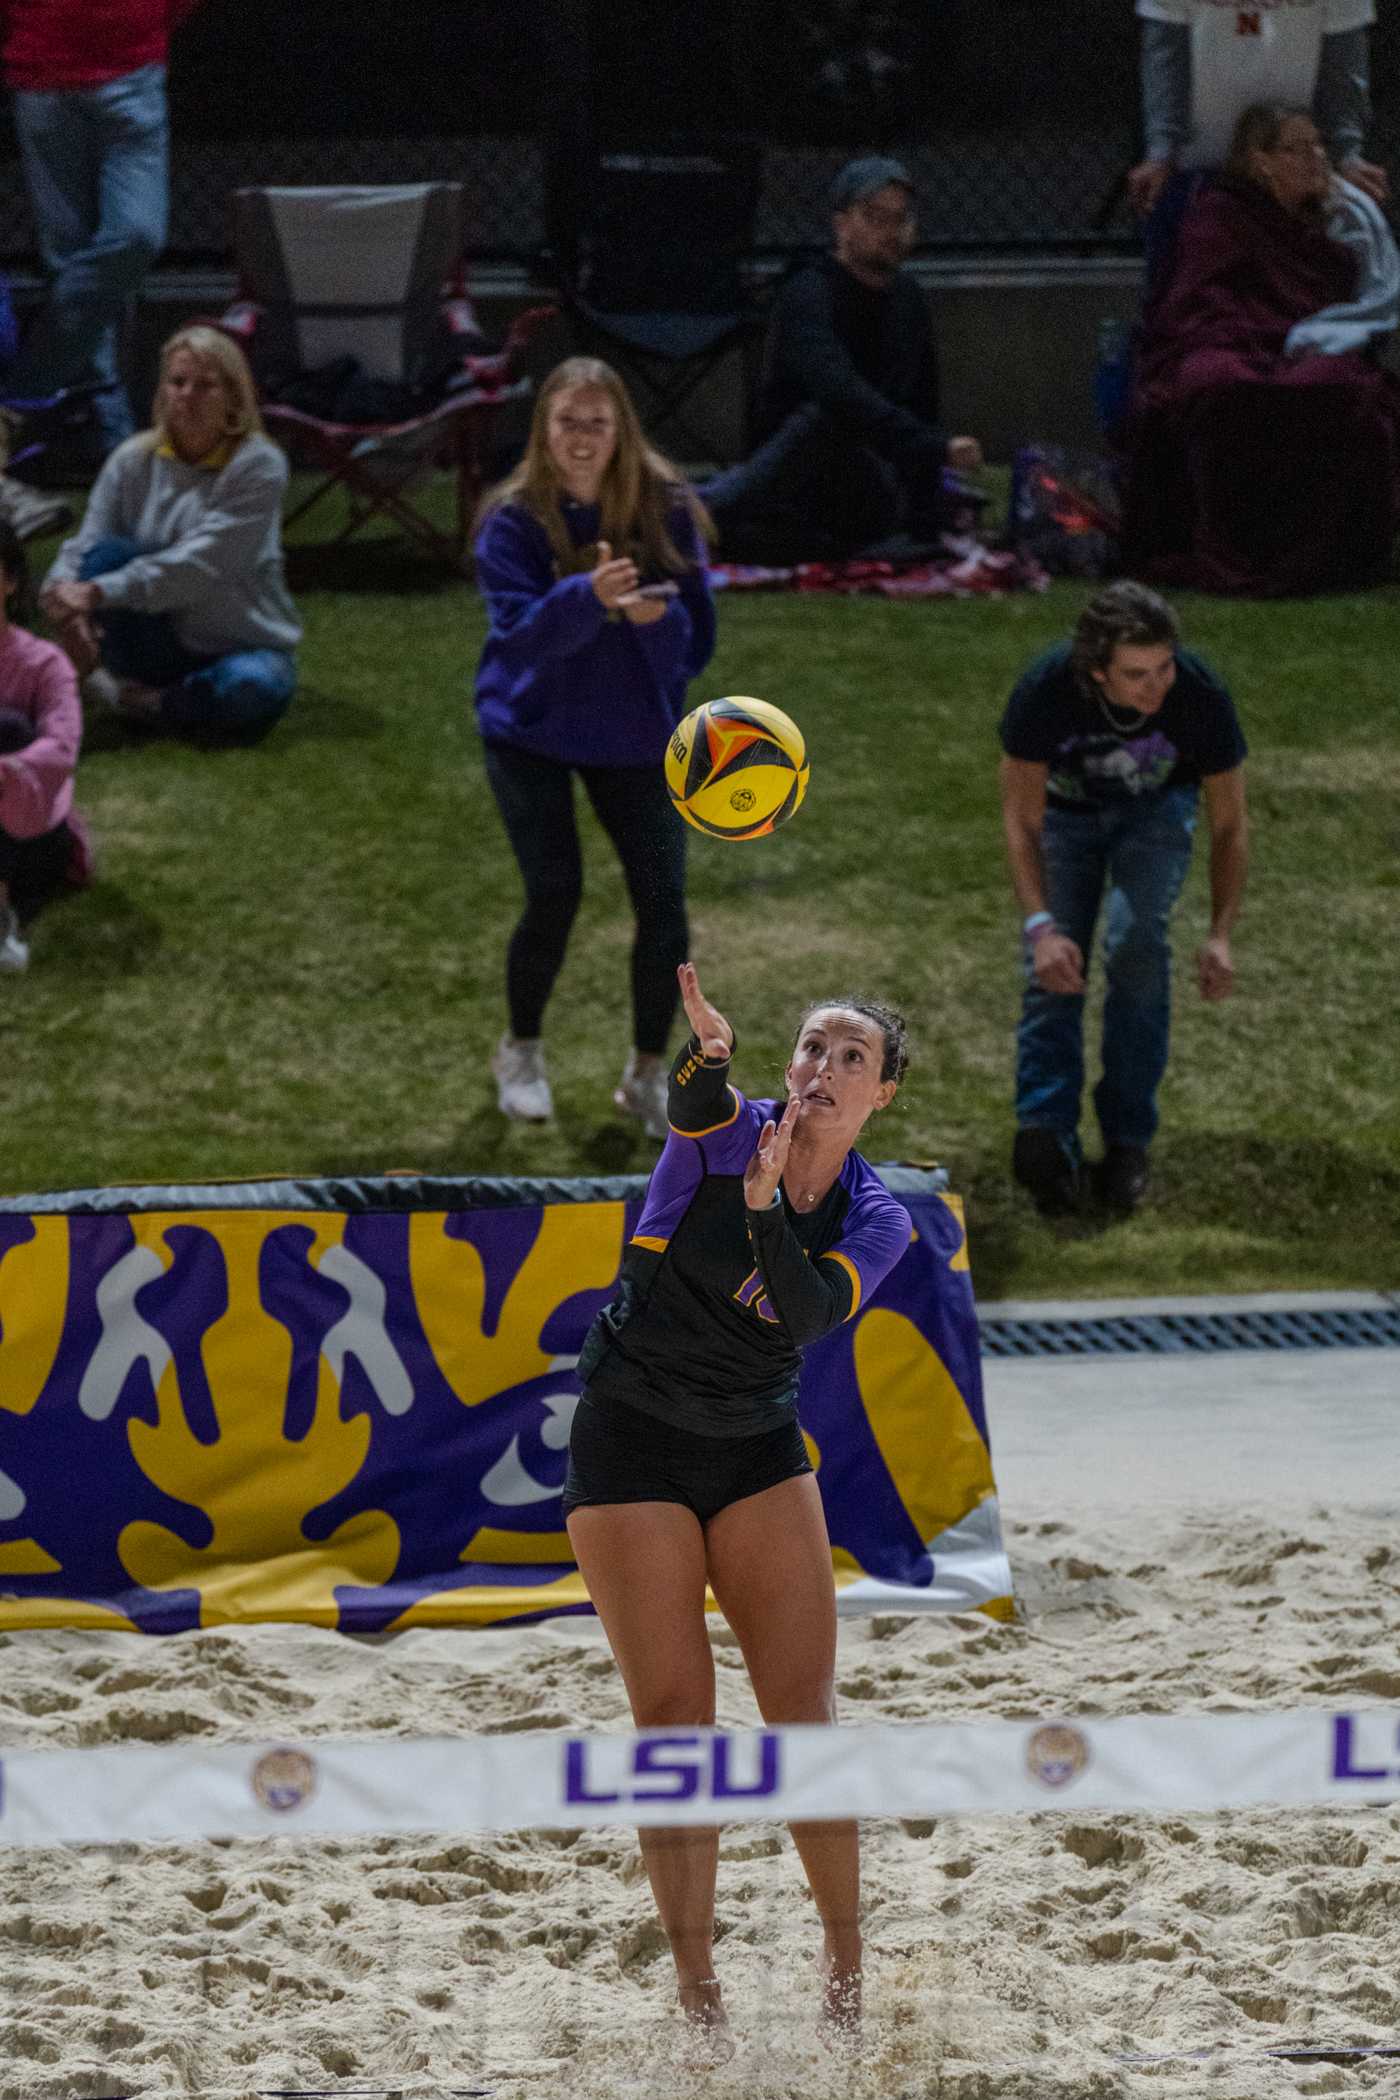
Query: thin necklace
x=1121 y=728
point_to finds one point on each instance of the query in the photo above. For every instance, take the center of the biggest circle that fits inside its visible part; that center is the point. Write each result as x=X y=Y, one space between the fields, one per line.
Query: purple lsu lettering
x=1344 y=1754
x=752 y=1297
x=675 y=1768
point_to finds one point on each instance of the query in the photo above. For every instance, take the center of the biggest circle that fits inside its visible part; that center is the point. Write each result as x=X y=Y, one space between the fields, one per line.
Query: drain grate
x=1194 y=1333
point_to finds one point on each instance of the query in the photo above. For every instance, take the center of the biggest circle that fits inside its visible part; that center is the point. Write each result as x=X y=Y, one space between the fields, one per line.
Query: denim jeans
x=1131 y=858
x=240 y=694
x=96 y=165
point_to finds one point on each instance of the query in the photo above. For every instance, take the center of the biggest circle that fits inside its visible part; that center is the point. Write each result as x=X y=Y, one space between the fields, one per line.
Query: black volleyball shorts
x=619 y=1454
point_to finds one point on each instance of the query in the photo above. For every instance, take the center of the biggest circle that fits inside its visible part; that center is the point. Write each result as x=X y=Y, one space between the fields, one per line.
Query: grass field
x=291 y=961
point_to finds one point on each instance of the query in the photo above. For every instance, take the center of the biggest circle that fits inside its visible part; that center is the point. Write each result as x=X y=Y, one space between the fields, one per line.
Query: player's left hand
x=1215 y=968
x=764 y=1172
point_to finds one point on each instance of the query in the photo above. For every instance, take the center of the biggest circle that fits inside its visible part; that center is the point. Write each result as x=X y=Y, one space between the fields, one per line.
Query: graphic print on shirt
x=1135 y=765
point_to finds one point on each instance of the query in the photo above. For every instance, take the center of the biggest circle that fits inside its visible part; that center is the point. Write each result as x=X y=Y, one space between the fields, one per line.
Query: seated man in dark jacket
x=851 y=450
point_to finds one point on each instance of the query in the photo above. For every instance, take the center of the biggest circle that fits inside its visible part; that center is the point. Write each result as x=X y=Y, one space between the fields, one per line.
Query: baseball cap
x=861 y=178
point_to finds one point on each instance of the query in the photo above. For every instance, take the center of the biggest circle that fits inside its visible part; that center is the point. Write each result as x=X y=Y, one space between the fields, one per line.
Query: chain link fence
x=1051 y=191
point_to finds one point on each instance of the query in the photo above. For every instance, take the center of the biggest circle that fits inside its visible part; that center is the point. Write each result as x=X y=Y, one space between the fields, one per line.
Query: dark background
x=803 y=71
x=1017 y=117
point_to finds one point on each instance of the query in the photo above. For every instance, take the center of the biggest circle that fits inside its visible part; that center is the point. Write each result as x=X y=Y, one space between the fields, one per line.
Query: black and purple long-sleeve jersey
x=716 y=1300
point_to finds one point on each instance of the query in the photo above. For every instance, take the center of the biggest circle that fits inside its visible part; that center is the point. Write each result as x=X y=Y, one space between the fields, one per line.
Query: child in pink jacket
x=43 y=840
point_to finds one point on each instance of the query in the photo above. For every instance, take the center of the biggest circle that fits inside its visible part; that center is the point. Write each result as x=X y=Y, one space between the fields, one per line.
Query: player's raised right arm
x=707 y=1024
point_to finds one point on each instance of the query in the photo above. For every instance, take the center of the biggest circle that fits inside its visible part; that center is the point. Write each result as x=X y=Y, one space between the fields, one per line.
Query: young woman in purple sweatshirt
x=591 y=560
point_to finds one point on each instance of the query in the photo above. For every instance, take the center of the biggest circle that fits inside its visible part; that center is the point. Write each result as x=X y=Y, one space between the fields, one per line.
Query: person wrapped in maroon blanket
x=1251 y=471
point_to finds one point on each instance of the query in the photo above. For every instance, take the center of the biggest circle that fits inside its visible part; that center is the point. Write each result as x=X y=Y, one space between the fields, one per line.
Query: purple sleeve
x=878 y=1231
x=724 y=1147
x=533 y=614
x=812 y=1297
x=681 y=644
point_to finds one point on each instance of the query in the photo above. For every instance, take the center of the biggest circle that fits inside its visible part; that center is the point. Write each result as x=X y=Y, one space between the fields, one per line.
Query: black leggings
x=536 y=801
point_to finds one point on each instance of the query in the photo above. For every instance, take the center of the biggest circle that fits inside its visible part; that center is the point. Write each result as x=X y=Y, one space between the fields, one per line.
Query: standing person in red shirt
x=88 y=84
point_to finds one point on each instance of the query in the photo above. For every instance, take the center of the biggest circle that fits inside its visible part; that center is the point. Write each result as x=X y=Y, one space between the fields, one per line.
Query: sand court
x=1190 y=1535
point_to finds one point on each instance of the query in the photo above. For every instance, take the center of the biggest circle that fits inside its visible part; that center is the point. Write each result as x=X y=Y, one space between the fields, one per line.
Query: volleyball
x=737 y=768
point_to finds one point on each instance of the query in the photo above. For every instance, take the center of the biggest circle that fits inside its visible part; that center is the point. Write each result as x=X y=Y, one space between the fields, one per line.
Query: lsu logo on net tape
x=284 y=1780
x=1057 y=1754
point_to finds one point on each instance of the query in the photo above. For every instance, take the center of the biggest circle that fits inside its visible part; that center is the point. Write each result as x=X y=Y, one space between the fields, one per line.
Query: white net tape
x=325 y=1786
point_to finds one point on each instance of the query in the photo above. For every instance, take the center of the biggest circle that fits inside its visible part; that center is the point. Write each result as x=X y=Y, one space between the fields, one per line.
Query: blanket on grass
x=972 y=571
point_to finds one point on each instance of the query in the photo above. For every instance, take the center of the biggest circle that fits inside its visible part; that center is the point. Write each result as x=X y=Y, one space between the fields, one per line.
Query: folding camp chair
x=658 y=286
x=354 y=313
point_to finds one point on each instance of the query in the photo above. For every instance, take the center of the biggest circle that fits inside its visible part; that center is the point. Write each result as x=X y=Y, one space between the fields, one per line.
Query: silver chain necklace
x=1121 y=728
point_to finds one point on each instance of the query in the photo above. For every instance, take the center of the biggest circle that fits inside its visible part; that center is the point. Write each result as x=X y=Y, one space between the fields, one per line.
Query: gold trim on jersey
x=650 y=1241
x=711 y=1128
x=853 y=1272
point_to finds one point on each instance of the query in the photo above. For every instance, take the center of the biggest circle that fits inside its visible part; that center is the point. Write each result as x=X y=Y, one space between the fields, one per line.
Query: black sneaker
x=1121 y=1177
x=1041 y=1164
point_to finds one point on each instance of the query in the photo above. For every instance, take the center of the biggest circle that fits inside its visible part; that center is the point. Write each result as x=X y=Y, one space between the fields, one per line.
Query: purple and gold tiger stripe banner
x=358 y=1416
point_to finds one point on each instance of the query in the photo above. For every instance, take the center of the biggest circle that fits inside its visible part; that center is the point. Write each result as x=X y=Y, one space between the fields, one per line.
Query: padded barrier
x=347 y=1402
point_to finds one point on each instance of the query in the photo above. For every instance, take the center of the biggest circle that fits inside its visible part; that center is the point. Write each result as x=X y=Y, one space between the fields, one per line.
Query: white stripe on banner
x=515 y=1782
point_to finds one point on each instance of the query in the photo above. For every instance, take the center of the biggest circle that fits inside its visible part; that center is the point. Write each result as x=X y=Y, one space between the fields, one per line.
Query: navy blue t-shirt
x=1100 y=754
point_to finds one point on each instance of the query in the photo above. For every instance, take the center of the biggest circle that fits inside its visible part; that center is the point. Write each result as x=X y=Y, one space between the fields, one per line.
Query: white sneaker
x=643 y=1094
x=14 y=952
x=522 y=1088
x=32 y=512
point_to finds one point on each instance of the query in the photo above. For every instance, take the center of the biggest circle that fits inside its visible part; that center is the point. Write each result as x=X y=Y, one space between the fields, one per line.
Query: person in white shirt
x=1205 y=61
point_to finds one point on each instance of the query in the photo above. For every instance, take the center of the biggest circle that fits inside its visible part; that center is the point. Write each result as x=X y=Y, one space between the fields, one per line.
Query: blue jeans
x=240 y=694
x=1131 y=857
x=96 y=165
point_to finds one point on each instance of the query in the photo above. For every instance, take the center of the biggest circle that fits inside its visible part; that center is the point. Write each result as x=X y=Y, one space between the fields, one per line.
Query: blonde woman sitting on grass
x=170 y=597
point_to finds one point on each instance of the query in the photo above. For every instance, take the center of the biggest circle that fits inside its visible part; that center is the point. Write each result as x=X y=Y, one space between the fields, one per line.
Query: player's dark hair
x=893 y=1027
x=14 y=566
x=1121 y=612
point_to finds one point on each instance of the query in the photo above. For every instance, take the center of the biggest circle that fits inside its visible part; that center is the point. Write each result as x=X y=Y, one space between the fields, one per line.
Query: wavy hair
x=1121 y=612
x=640 y=492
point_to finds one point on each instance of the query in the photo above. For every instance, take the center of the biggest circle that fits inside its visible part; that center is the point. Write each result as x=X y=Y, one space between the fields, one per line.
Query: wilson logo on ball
x=737 y=768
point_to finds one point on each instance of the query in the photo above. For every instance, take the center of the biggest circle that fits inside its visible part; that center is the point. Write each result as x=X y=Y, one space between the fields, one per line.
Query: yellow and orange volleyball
x=737 y=768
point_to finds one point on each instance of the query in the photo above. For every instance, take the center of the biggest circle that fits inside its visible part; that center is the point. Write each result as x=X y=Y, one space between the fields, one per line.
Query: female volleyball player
x=761 y=1231
x=591 y=560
